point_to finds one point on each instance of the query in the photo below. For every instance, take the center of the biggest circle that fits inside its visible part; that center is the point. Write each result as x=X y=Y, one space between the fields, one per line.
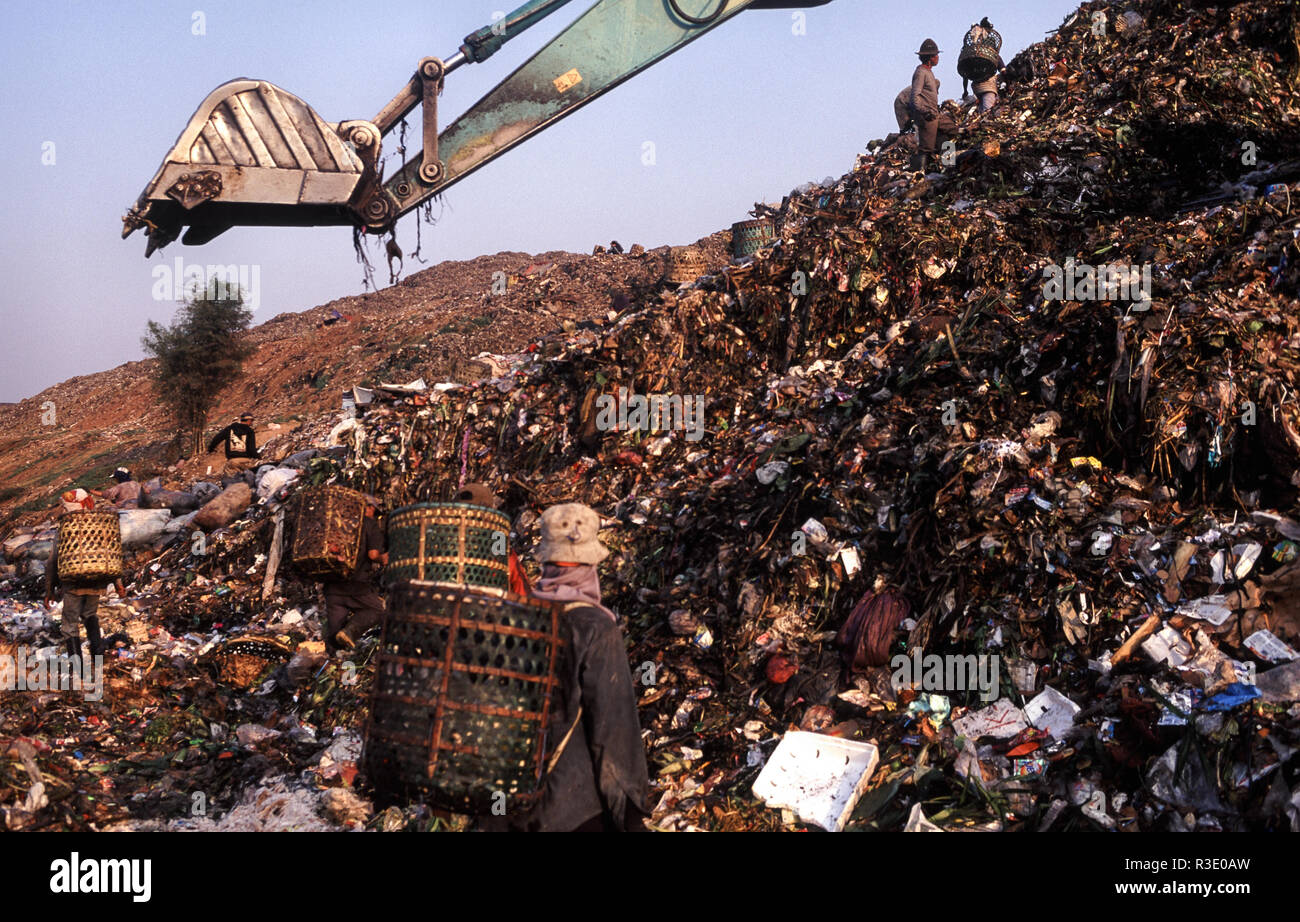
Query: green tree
x=199 y=355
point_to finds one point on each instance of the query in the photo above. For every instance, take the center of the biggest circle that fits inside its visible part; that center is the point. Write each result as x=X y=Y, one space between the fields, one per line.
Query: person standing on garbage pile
x=987 y=89
x=80 y=603
x=352 y=606
x=480 y=494
x=598 y=779
x=241 y=445
x=125 y=492
x=922 y=99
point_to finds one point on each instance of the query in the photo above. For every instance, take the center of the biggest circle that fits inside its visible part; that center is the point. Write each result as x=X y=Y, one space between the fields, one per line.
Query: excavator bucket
x=255 y=154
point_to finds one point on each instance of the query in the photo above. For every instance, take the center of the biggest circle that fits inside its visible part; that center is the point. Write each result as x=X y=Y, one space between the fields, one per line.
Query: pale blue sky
x=745 y=114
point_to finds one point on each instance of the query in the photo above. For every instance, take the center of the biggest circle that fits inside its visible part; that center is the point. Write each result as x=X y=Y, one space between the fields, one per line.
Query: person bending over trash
x=352 y=606
x=241 y=445
x=80 y=603
x=920 y=104
x=125 y=492
x=598 y=780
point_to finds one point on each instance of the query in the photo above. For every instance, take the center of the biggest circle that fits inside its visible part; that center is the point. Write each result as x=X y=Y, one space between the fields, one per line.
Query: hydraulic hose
x=696 y=20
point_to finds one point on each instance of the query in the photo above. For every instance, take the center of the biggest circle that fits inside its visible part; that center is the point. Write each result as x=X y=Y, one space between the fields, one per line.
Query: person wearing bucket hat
x=598 y=779
x=352 y=606
x=81 y=602
x=920 y=104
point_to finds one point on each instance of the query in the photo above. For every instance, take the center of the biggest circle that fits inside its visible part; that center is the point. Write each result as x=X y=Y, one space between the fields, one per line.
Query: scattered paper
x=1212 y=608
x=1052 y=711
x=1000 y=720
x=1266 y=645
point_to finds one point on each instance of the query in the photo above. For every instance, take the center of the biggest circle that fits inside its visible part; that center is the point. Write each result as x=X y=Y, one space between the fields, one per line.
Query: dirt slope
x=428 y=325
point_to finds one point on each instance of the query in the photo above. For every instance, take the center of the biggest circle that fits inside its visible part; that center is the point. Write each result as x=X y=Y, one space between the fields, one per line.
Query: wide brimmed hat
x=570 y=535
x=928 y=47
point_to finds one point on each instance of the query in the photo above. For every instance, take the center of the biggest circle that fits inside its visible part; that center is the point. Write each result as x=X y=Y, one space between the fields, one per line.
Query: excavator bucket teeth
x=251 y=154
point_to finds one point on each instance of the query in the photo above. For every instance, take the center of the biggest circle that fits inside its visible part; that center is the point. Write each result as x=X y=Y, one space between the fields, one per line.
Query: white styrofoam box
x=819 y=777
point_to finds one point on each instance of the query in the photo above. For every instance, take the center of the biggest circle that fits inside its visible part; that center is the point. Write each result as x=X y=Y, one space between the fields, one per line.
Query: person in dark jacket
x=352 y=606
x=80 y=602
x=598 y=779
x=241 y=445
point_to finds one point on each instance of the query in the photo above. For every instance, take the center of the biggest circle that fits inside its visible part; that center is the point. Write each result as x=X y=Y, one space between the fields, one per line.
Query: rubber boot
x=72 y=645
x=93 y=637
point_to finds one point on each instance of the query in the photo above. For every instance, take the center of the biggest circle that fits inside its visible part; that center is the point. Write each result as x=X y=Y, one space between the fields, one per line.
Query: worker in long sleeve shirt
x=352 y=606
x=921 y=101
x=240 y=441
x=80 y=601
x=599 y=781
x=987 y=89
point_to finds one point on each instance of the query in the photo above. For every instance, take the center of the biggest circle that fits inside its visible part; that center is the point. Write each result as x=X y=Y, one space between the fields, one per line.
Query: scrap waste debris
x=1101 y=497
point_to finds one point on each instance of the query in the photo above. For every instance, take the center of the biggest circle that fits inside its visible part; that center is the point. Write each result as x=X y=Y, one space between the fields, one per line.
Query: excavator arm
x=254 y=154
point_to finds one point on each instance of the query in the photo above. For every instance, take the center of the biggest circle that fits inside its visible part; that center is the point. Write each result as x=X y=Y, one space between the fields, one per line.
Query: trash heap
x=910 y=395
x=218 y=707
x=894 y=399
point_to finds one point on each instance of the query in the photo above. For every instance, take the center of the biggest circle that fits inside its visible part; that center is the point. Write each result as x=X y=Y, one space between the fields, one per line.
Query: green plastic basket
x=748 y=237
x=449 y=543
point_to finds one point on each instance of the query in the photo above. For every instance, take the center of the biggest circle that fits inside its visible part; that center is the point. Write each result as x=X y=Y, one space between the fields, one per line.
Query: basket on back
x=327 y=532
x=462 y=698
x=449 y=543
x=90 y=547
x=748 y=237
x=979 y=55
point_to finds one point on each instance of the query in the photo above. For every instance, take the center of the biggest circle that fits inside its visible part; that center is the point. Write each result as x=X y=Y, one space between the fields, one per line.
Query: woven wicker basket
x=90 y=547
x=456 y=543
x=245 y=661
x=327 y=532
x=748 y=237
x=685 y=264
x=462 y=698
x=979 y=58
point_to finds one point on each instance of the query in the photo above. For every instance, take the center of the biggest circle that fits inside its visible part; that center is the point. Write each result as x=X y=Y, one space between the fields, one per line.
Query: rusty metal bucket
x=254 y=154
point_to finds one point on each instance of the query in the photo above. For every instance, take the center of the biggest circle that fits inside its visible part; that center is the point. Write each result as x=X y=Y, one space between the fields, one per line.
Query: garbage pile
x=217 y=707
x=994 y=469
x=1098 y=491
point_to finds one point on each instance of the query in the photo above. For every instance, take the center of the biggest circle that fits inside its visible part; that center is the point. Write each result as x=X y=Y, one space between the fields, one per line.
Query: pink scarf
x=570 y=584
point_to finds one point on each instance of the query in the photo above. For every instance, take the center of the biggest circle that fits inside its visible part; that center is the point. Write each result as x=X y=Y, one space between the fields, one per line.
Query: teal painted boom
x=610 y=43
